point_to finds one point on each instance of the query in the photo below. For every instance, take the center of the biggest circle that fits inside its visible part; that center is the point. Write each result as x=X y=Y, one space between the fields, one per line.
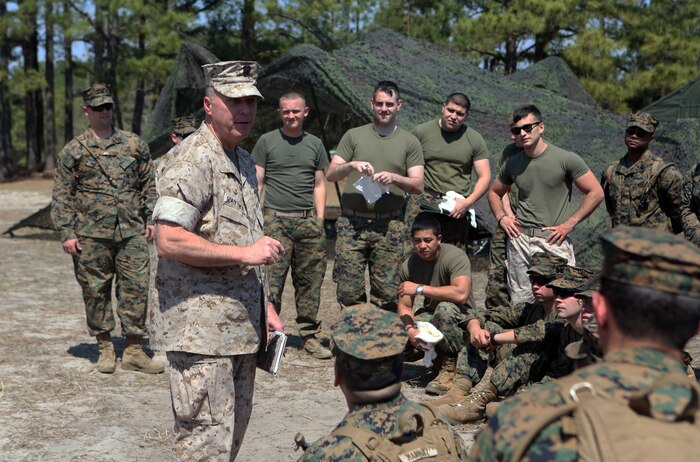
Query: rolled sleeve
x=176 y=211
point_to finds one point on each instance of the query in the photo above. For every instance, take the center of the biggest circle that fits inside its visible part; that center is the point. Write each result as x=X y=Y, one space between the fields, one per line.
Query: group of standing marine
x=222 y=257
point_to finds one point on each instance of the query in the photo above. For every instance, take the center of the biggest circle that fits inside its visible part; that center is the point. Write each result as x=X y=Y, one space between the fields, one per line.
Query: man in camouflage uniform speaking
x=647 y=309
x=641 y=189
x=368 y=346
x=290 y=164
x=209 y=311
x=373 y=235
x=102 y=202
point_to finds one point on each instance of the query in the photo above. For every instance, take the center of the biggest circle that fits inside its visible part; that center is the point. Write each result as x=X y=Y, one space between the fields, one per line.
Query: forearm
x=408 y=184
x=496 y=203
x=320 y=198
x=404 y=310
x=337 y=171
x=589 y=203
x=504 y=337
x=480 y=188
x=506 y=206
x=451 y=293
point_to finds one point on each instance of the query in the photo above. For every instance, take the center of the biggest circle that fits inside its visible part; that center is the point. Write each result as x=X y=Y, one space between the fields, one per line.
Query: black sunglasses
x=539 y=280
x=638 y=132
x=564 y=293
x=527 y=127
x=102 y=108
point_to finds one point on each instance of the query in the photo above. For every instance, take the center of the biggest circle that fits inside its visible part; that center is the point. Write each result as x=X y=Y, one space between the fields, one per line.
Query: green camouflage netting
x=338 y=88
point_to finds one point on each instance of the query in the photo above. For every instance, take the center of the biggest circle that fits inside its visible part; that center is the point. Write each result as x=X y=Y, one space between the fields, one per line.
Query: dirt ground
x=54 y=406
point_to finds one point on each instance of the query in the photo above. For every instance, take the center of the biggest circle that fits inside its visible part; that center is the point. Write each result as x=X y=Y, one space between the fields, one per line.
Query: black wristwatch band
x=492 y=339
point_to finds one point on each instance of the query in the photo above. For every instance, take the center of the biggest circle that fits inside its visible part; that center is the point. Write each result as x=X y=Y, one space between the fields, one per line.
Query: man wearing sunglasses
x=103 y=197
x=544 y=175
x=641 y=189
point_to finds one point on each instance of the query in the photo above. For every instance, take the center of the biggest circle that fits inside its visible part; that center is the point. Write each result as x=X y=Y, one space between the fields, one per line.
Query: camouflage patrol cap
x=572 y=278
x=643 y=120
x=546 y=264
x=651 y=258
x=97 y=95
x=234 y=79
x=369 y=342
x=185 y=125
x=589 y=287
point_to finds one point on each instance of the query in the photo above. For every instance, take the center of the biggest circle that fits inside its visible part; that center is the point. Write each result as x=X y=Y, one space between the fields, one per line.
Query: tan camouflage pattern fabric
x=690 y=204
x=624 y=372
x=233 y=79
x=212 y=311
x=646 y=193
x=96 y=95
x=643 y=120
x=652 y=259
x=185 y=125
x=304 y=241
x=205 y=392
x=363 y=242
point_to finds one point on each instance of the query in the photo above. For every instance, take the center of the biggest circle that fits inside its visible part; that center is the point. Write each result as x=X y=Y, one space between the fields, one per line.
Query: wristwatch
x=271 y=299
x=420 y=289
x=492 y=339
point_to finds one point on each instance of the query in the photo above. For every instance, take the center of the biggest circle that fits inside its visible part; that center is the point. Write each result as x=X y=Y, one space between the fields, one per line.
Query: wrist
x=492 y=339
x=420 y=289
x=498 y=222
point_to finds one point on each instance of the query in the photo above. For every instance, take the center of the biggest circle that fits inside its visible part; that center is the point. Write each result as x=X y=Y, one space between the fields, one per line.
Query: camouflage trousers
x=454 y=231
x=513 y=366
x=212 y=400
x=304 y=241
x=95 y=268
x=519 y=257
x=377 y=244
x=448 y=319
x=497 y=276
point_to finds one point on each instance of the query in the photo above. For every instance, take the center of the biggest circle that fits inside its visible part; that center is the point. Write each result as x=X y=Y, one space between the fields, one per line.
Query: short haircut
x=426 y=222
x=525 y=111
x=646 y=313
x=388 y=87
x=460 y=99
x=209 y=91
x=293 y=95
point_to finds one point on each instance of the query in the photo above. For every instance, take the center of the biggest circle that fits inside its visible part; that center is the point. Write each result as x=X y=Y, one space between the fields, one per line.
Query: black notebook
x=270 y=358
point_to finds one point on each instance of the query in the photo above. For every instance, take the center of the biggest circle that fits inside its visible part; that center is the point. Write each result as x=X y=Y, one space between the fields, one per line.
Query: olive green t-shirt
x=290 y=165
x=508 y=152
x=450 y=263
x=544 y=185
x=395 y=153
x=449 y=156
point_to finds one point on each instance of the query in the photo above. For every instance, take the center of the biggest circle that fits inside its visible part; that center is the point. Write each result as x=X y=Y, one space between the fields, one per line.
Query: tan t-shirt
x=395 y=153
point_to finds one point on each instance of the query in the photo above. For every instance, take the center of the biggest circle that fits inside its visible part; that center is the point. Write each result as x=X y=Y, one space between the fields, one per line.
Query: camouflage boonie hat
x=97 y=95
x=546 y=264
x=234 y=79
x=643 y=120
x=369 y=342
x=185 y=125
x=572 y=278
x=651 y=258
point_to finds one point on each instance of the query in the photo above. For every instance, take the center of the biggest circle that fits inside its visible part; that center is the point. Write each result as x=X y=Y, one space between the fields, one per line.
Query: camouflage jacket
x=611 y=378
x=213 y=194
x=103 y=188
x=646 y=193
x=381 y=418
x=690 y=205
x=529 y=321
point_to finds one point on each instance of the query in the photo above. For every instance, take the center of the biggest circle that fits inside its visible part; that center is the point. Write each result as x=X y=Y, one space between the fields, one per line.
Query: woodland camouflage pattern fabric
x=572 y=278
x=185 y=125
x=690 y=205
x=623 y=372
x=646 y=193
x=651 y=259
x=103 y=188
x=643 y=120
x=211 y=311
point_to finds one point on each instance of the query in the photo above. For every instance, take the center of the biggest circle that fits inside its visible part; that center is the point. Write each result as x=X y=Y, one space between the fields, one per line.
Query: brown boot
x=443 y=382
x=134 y=358
x=459 y=390
x=107 y=362
x=472 y=408
x=314 y=348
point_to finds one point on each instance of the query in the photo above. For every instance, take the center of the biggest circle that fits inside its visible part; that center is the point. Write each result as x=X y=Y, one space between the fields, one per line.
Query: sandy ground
x=54 y=406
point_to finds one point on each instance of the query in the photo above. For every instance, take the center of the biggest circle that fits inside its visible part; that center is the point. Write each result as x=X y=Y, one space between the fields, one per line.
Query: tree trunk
x=32 y=111
x=248 y=32
x=98 y=44
x=67 y=76
x=511 y=59
x=7 y=155
x=50 y=165
x=140 y=84
x=113 y=62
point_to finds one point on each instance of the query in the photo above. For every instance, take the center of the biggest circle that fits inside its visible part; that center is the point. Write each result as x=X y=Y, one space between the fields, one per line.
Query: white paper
x=371 y=190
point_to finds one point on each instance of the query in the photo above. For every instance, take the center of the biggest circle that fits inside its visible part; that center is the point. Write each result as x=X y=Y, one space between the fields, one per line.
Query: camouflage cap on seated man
x=546 y=264
x=185 y=125
x=369 y=342
x=652 y=259
x=97 y=95
x=572 y=278
x=233 y=79
x=643 y=120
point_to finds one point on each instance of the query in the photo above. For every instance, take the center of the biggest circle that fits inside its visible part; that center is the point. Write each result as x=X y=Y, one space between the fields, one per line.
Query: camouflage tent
x=338 y=87
x=680 y=104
